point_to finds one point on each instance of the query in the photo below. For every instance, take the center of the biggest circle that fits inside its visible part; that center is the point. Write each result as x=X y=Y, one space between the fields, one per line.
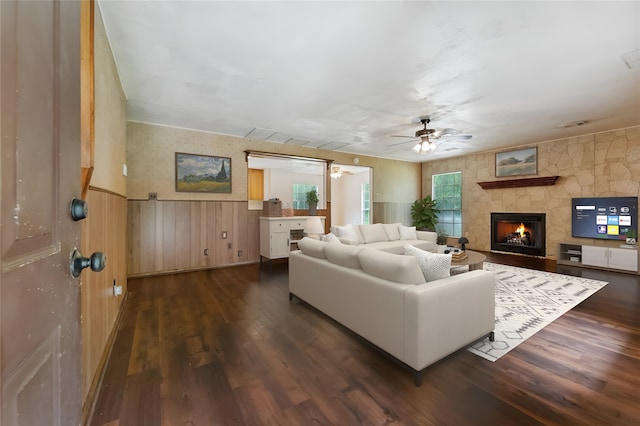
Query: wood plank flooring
x=225 y=347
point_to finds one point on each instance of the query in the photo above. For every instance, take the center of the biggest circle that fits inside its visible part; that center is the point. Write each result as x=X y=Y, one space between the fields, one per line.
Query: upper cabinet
x=256 y=184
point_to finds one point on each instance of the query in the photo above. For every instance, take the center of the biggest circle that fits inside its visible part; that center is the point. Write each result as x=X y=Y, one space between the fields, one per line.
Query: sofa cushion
x=373 y=233
x=391 y=229
x=343 y=255
x=433 y=266
x=397 y=247
x=331 y=238
x=346 y=232
x=392 y=267
x=312 y=247
x=407 y=232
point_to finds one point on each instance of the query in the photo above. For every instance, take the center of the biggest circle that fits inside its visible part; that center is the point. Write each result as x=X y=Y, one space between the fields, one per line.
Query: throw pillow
x=347 y=232
x=373 y=233
x=407 y=232
x=391 y=229
x=433 y=266
x=331 y=238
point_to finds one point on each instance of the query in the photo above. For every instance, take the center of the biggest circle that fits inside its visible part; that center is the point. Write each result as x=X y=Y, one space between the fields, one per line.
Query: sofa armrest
x=446 y=315
x=427 y=236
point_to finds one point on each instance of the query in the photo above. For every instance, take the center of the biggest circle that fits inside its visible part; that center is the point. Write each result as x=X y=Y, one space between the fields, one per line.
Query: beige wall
x=110 y=116
x=602 y=164
x=151 y=157
x=105 y=228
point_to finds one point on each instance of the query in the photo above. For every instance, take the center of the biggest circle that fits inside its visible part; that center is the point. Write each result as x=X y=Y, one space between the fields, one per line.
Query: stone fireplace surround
x=522 y=233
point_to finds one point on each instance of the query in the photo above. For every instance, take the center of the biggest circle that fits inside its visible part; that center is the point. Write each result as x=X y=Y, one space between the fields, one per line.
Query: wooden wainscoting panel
x=133 y=236
x=253 y=235
x=240 y=231
x=182 y=248
x=148 y=236
x=104 y=230
x=223 y=223
x=168 y=236
x=198 y=237
x=392 y=213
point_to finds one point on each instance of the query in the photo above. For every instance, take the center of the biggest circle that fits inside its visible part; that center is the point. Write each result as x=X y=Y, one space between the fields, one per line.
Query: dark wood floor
x=226 y=346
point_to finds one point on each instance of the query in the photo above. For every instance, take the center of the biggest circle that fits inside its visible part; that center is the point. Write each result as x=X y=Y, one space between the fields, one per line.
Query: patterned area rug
x=526 y=302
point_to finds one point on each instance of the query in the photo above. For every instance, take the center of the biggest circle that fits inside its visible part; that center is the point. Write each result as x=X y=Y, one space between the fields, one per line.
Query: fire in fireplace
x=518 y=233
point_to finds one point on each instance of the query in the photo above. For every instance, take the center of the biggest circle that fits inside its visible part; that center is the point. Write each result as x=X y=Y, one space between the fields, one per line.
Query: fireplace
x=519 y=233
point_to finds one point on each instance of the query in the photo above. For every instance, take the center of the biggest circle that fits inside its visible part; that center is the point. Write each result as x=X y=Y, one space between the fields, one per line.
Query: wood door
x=40 y=129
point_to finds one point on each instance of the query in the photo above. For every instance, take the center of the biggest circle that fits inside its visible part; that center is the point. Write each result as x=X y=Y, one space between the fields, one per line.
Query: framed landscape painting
x=202 y=173
x=517 y=163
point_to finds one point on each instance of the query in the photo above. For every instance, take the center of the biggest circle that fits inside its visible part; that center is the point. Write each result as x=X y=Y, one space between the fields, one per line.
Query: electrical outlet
x=239 y=253
x=117 y=289
x=228 y=245
x=153 y=195
x=206 y=252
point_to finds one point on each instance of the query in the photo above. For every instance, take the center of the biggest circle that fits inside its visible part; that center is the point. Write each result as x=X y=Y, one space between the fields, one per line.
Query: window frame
x=450 y=219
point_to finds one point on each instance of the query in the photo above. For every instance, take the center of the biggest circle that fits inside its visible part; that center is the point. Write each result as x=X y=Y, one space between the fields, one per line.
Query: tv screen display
x=604 y=217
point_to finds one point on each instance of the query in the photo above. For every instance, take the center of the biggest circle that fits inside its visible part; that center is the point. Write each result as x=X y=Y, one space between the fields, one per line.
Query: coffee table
x=474 y=260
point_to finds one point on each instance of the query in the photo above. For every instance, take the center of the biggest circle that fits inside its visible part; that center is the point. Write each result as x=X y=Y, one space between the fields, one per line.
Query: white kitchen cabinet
x=280 y=235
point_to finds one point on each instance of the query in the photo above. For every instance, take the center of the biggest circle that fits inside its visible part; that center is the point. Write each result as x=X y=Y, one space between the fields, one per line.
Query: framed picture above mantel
x=203 y=173
x=520 y=162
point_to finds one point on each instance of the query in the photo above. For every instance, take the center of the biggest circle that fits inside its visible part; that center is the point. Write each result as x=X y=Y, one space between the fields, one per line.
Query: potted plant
x=441 y=240
x=312 y=200
x=631 y=236
x=425 y=214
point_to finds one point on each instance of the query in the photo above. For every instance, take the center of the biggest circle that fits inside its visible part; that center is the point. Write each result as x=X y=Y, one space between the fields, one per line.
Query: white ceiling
x=346 y=76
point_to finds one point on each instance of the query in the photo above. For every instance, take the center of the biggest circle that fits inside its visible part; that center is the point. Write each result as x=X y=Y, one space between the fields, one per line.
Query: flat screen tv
x=604 y=217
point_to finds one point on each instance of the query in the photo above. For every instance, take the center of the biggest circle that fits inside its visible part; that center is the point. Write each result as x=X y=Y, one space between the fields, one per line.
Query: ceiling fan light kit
x=424 y=146
x=426 y=136
x=337 y=172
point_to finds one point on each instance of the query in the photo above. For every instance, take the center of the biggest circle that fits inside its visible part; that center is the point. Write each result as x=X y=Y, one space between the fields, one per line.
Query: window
x=365 y=198
x=446 y=190
x=300 y=195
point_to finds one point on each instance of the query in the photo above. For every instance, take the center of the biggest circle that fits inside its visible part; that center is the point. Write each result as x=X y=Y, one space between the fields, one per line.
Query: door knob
x=77 y=263
x=79 y=209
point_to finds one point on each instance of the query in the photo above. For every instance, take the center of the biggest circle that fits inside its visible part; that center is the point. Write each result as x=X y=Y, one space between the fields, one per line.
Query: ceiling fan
x=427 y=137
x=336 y=172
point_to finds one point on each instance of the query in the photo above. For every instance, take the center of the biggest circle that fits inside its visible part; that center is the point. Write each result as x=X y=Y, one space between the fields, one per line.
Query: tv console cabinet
x=623 y=259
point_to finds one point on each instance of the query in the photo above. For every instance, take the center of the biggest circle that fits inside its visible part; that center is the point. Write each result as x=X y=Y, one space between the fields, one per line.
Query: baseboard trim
x=90 y=401
x=180 y=271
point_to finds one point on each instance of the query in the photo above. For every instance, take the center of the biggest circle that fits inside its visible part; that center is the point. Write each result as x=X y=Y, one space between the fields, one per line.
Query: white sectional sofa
x=384 y=298
x=391 y=237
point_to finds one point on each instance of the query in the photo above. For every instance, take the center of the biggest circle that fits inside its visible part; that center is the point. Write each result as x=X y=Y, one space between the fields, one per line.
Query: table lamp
x=463 y=241
x=313 y=227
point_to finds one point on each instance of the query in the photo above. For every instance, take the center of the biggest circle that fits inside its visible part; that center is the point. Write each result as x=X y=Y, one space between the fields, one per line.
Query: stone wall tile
x=602 y=164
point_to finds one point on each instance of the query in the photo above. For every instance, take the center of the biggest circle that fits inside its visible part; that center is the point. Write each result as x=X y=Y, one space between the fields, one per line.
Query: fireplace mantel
x=519 y=183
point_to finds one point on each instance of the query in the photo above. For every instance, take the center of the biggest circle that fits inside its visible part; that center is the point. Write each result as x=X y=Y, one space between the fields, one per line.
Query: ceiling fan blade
x=445 y=132
x=413 y=140
x=460 y=137
x=402 y=136
x=452 y=137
